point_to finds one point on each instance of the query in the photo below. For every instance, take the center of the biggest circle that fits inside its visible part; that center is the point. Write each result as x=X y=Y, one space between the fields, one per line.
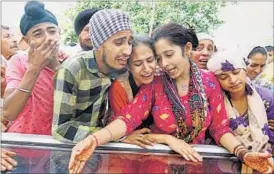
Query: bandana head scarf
x=253 y=136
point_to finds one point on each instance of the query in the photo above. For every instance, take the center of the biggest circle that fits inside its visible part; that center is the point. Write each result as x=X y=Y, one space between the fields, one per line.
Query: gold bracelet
x=24 y=90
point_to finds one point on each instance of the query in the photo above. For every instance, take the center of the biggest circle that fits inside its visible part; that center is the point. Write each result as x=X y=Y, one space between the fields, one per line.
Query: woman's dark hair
x=176 y=34
x=256 y=50
x=269 y=48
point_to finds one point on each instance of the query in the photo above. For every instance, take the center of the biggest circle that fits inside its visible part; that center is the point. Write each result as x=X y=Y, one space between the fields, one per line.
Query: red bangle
x=242 y=154
x=236 y=148
x=239 y=149
x=96 y=140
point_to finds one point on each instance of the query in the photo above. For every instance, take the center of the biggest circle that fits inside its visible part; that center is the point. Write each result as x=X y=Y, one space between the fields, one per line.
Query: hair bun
x=35 y=9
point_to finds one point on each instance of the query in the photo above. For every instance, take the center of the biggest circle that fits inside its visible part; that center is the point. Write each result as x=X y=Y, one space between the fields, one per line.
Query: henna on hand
x=256 y=162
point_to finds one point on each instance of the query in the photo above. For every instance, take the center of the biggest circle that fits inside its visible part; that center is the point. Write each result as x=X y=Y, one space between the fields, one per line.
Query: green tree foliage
x=202 y=15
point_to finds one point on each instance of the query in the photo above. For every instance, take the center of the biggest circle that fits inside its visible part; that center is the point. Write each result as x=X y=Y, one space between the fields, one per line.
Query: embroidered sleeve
x=163 y=116
x=220 y=122
x=133 y=114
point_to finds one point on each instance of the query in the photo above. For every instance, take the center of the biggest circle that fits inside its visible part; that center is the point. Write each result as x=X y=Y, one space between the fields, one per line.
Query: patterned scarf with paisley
x=197 y=102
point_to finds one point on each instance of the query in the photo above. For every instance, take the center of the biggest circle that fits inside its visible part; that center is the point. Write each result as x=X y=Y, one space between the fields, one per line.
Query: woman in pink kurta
x=165 y=122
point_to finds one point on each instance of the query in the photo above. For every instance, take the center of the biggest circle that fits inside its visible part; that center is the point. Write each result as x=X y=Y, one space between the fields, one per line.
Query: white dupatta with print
x=251 y=136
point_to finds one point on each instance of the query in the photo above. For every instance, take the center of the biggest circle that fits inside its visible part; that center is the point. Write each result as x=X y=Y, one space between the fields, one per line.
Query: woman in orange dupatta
x=142 y=67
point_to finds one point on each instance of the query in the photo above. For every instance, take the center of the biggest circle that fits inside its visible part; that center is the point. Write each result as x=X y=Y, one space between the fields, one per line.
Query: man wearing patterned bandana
x=82 y=84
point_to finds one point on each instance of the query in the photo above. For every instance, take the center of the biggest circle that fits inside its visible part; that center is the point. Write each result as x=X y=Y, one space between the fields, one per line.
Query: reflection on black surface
x=31 y=160
x=56 y=161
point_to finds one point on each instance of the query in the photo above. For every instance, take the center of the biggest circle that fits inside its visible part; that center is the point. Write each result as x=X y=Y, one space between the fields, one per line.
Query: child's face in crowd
x=142 y=64
x=256 y=64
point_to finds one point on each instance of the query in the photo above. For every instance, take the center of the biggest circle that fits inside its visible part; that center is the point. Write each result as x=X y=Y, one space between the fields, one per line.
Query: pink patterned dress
x=152 y=98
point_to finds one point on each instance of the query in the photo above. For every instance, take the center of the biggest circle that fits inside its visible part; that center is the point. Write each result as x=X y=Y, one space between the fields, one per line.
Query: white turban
x=226 y=60
x=204 y=36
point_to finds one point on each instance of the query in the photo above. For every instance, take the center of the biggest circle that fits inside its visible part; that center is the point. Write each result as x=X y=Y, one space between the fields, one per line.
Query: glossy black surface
x=55 y=160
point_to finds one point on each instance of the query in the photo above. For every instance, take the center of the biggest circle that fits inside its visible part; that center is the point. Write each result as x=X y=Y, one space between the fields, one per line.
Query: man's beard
x=85 y=47
x=112 y=72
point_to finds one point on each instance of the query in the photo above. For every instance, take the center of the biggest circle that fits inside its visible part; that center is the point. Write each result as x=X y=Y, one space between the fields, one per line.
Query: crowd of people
x=173 y=88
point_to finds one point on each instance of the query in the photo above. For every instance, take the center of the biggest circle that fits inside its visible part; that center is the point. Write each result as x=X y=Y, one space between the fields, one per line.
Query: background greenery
x=146 y=15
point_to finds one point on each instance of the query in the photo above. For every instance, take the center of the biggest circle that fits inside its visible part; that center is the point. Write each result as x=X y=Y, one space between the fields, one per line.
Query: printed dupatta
x=197 y=102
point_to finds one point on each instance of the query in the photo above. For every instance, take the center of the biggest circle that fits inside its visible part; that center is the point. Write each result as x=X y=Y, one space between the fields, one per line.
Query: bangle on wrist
x=122 y=139
x=24 y=90
x=239 y=149
x=236 y=148
x=96 y=140
x=110 y=134
x=242 y=153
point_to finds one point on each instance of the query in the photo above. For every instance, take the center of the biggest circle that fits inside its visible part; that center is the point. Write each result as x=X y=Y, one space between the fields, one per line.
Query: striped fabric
x=80 y=98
